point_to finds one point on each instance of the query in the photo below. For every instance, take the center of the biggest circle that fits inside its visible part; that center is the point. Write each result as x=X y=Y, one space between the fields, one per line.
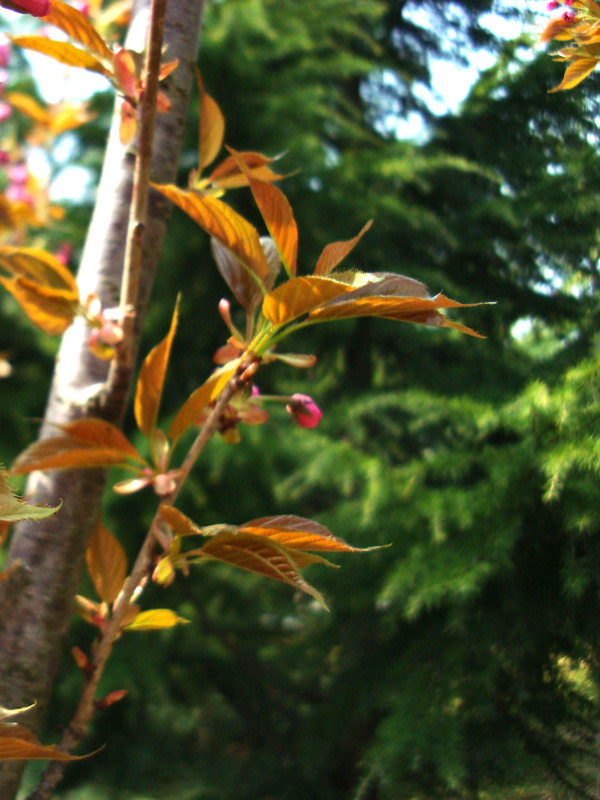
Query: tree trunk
x=36 y=602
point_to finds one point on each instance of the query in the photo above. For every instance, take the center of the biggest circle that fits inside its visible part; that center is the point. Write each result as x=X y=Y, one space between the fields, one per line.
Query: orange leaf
x=299 y=296
x=222 y=222
x=277 y=214
x=419 y=310
x=151 y=380
x=51 y=310
x=181 y=524
x=107 y=564
x=77 y=26
x=299 y=534
x=84 y=443
x=229 y=176
x=576 y=72
x=212 y=127
x=127 y=123
x=38 y=266
x=335 y=252
x=200 y=399
x=62 y=52
x=15 y=749
x=263 y=557
x=102 y=433
x=28 y=106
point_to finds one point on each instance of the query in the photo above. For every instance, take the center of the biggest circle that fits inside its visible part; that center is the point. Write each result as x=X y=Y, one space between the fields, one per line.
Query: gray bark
x=36 y=603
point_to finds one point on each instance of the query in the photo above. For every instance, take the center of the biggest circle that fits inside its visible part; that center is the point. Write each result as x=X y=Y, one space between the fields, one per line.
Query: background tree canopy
x=463 y=660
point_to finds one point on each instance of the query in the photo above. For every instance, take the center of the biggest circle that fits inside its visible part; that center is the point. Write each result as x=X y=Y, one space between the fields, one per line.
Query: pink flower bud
x=552 y=5
x=304 y=410
x=568 y=16
x=4 y=157
x=37 y=8
x=568 y=2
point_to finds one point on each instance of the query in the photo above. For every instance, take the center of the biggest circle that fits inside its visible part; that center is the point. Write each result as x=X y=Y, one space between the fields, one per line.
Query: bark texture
x=36 y=603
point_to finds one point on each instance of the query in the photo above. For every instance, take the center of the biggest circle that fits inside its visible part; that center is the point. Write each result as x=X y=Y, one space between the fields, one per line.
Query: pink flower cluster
x=568 y=15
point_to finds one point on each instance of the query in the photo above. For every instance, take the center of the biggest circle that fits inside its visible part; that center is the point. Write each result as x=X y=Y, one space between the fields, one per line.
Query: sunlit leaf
x=278 y=216
x=13 y=509
x=39 y=266
x=107 y=563
x=28 y=106
x=200 y=399
x=151 y=380
x=127 y=123
x=78 y=27
x=334 y=253
x=155 y=619
x=212 y=127
x=299 y=296
x=576 y=72
x=7 y=713
x=299 y=534
x=228 y=174
x=51 y=310
x=222 y=222
x=418 y=310
x=63 y=52
x=83 y=443
x=178 y=521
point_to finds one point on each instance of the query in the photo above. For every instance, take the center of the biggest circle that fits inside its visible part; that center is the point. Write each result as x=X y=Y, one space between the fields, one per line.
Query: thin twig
x=77 y=729
x=141 y=179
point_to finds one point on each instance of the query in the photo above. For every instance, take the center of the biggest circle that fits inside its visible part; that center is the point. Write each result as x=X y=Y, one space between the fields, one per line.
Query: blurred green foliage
x=462 y=661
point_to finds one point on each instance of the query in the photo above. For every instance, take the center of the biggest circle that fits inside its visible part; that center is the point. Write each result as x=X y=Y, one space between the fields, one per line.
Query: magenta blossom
x=37 y=8
x=304 y=410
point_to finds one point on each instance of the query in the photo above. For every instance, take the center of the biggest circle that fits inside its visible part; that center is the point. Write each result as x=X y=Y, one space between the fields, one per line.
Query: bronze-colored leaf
x=277 y=214
x=212 y=127
x=222 y=222
x=107 y=564
x=63 y=52
x=83 y=443
x=151 y=380
x=16 y=749
x=102 y=433
x=78 y=27
x=200 y=399
x=51 y=310
x=418 y=310
x=299 y=296
x=334 y=253
x=299 y=534
x=264 y=557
